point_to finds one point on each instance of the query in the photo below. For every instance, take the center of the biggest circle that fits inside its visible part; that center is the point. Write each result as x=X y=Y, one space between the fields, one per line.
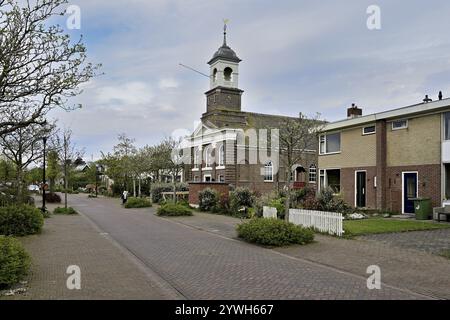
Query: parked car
x=33 y=188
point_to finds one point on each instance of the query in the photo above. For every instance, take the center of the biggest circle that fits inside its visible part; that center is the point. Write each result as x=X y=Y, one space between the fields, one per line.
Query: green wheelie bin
x=423 y=208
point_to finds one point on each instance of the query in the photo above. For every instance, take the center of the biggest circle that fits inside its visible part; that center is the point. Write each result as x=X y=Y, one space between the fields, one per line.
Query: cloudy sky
x=298 y=56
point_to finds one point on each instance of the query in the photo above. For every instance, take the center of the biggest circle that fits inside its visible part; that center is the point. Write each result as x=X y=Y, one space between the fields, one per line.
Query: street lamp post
x=43 y=177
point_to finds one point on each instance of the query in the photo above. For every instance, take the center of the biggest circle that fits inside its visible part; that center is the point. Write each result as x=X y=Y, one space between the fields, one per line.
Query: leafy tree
x=53 y=169
x=23 y=147
x=41 y=67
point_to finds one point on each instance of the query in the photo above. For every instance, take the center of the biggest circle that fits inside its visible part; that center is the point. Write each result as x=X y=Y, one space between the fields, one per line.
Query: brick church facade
x=225 y=148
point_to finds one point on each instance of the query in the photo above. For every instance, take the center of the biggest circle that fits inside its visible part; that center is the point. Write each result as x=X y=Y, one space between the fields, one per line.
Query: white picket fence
x=329 y=222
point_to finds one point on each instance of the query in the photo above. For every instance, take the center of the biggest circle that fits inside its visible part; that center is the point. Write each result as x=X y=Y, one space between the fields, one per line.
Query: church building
x=225 y=132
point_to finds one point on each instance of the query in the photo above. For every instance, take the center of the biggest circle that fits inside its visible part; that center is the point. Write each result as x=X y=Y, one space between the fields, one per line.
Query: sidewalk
x=406 y=268
x=107 y=271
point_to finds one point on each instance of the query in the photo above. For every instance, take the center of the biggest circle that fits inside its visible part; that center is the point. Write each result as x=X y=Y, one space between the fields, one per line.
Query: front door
x=361 y=189
x=409 y=191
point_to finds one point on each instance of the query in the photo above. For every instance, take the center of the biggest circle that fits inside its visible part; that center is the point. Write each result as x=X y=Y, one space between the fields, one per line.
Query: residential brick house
x=225 y=132
x=385 y=160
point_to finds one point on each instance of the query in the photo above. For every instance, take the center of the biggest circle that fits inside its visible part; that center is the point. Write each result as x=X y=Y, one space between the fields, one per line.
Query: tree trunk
x=134 y=187
x=287 y=201
x=174 y=188
x=66 y=184
x=139 y=187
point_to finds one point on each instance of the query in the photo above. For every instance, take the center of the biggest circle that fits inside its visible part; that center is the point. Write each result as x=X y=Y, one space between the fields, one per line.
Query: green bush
x=158 y=189
x=279 y=205
x=14 y=261
x=241 y=197
x=173 y=210
x=274 y=232
x=208 y=200
x=20 y=220
x=68 y=211
x=137 y=203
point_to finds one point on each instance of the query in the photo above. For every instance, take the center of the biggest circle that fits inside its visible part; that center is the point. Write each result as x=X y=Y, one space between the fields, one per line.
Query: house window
x=447 y=126
x=330 y=143
x=399 y=124
x=268 y=172
x=207 y=178
x=369 y=130
x=221 y=178
x=208 y=157
x=196 y=179
x=331 y=178
x=221 y=156
x=313 y=174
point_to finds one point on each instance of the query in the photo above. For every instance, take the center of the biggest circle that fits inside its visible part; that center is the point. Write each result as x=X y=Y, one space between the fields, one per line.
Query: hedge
x=173 y=210
x=20 y=220
x=14 y=262
x=68 y=211
x=137 y=203
x=274 y=232
x=52 y=198
x=208 y=199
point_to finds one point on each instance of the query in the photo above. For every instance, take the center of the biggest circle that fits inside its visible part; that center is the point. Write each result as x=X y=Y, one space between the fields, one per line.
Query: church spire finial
x=225 y=22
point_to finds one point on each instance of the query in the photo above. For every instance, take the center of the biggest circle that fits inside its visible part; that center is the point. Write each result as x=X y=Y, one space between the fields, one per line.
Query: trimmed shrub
x=279 y=205
x=158 y=189
x=173 y=210
x=52 y=198
x=20 y=220
x=208 y=199
x=327 y=201
x=137 y=203
x=274 y=232
x=14 y=262
x=67 y=211
x=240 y=200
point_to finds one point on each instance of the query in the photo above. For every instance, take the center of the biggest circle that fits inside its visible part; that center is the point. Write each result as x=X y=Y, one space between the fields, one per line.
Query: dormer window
x=227 y=73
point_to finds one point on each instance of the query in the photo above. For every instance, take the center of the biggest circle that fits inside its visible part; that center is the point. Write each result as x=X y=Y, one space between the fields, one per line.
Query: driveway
x=207 y=265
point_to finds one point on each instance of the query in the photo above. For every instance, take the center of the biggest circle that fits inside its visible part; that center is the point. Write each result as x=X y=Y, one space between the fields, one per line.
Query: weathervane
x=225 y=23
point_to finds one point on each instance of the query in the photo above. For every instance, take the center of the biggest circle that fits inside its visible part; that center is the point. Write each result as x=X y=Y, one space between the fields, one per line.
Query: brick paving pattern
x=203 y=265
x=106 y=271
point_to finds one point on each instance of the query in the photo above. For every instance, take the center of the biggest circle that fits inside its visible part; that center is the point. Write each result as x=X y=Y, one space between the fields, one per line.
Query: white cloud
x=168 y=83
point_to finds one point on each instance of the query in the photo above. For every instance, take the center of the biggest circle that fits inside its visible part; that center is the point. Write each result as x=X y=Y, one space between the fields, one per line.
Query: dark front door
x=361 y=189
x=409 y=191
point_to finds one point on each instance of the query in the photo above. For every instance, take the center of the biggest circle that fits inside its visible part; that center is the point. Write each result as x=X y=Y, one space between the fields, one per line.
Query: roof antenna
x=440 y=95
x=427 y=99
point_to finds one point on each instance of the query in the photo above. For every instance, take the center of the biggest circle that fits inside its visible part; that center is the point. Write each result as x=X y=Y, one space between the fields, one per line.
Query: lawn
x=371 y=226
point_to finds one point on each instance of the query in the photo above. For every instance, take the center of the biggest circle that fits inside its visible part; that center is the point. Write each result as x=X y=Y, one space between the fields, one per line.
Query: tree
x=68 y=154
x=23 y=147
x=53 y=169
x=296 y=137
x=173 y=159
x=124 y=151
x=40 y=66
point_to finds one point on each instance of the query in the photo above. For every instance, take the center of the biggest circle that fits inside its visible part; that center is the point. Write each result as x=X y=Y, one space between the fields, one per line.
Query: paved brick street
x=204 y=265
x=400 y=256
x=107 y=271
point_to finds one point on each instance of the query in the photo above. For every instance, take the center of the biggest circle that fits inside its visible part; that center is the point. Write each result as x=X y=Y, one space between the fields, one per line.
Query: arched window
x=313 y=174
x=268 y=172
x=215 y=75
x=221 y=156
x=208 y=157
x=227 y=73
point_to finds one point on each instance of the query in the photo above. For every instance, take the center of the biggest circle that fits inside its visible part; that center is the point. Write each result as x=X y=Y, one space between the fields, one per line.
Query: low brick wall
x=195 y=187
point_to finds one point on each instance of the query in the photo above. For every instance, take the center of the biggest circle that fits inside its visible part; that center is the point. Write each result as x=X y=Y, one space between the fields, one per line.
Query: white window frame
x=209 y=176
x=403 y=187
x=313 y=166
x=266 y=167
x=221 y=157
x=369 y=133
x=323 y=173
x=208 y=160
x=400 y=128
x=324 y=138
x=197 y=163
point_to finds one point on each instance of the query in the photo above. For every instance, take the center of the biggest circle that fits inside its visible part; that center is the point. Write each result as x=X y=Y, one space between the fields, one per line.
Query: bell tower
x=224 y=92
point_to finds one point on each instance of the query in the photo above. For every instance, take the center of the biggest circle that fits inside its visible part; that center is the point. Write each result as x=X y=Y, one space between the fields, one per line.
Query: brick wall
x=429 y=184
x=348 y=185
x=195 y=188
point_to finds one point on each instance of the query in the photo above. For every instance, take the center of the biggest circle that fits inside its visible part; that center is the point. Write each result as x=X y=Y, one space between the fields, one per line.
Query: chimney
x=354 y=112
x=440 y=96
